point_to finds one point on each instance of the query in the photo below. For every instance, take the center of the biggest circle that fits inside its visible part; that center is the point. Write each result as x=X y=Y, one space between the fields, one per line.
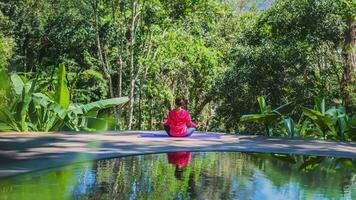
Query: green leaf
x=311 y=163
x=4 y=85
x=99 y=124
x=320 y=105
x=18 y=84
x=25 y=102
x=62 y=96
x=339 y=117
x=99 y=105
x=325 y=123
x=262 y=104
x=5 y=127
x=285 y=157
x=260 y=118
x=352 y=129
x=285 y=109
x=48 y=103
x=313 y=132
x=289 y=124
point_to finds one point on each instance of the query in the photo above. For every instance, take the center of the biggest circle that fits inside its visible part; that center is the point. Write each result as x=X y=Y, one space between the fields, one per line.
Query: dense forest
x=222 y=55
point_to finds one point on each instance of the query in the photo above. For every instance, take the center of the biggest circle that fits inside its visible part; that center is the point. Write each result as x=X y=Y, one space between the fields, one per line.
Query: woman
x=178 y=123
x=180 y=160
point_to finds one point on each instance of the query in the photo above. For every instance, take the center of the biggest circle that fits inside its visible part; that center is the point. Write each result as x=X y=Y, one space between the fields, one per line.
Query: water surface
x=186 y=175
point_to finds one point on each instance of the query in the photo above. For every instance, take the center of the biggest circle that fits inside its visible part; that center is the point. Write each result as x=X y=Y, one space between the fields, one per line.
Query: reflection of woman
x=180 y=160
x=178 y=123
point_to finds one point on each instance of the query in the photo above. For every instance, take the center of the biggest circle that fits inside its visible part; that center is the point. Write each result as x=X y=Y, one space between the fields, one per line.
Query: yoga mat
x=216 y=136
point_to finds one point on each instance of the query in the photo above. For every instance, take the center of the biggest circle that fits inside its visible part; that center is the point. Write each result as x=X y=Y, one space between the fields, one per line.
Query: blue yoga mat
x=216 y=136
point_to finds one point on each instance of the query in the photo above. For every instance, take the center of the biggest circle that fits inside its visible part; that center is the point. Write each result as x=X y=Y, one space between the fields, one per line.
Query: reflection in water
x=183 y=175
x=180 y=160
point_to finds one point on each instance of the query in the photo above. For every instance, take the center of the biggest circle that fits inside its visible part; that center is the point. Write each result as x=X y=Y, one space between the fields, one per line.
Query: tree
x=288 y=52
x=6 y=41
x=348 y=12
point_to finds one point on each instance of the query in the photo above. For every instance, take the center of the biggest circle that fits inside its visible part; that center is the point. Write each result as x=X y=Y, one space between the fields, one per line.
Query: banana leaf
x=325 y=123
x=26 y=99
x=285 y=109
x=99 y=124
x=267 y=119
x=17 y=83
x=340 y=119
x=62 y=96
x=285 y=158
x=40 y=116
x=91 y=109
x=5 y=127
x=262 y=104
x=48 y=103
x=7 y=117
x=313 y=132
x=289 y=124
x=311 y=163
x=320 y=105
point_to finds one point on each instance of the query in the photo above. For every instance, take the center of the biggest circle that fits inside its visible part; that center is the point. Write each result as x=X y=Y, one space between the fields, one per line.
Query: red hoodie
x=178 y=122
x=180 y=159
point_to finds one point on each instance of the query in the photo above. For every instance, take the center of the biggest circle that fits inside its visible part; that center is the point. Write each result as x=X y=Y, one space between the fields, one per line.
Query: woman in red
x=180 y=160
x=178 y=123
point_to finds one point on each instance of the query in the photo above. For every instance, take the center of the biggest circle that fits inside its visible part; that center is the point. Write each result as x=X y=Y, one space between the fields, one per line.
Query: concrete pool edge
x=26 y=152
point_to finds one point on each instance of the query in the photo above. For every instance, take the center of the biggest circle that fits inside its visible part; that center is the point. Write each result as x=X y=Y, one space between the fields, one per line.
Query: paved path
x=24 y=152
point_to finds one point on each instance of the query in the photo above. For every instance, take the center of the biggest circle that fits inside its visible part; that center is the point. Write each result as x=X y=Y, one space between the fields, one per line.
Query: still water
x=185 y=175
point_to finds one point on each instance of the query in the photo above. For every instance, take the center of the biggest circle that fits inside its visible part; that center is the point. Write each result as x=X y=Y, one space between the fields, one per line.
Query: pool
x=191 y=175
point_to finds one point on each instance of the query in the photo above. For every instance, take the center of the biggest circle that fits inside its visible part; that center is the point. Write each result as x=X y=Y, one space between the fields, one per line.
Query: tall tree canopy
x=221 y=54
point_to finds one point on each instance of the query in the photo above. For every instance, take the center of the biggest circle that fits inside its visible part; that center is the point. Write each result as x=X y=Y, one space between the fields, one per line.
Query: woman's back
x=178 y=122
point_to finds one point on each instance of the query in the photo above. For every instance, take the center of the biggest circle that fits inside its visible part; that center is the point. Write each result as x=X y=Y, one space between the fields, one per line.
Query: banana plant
x=332 y=123
x=76 y=117
x=268 y=117
x=61 y=114
x=323 y=122
x=13 y=115
x=341 y=121
x=25 y=109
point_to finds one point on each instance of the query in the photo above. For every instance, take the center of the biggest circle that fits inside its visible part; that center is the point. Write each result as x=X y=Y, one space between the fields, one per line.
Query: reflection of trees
x=207 y=176
x=222 y=176
x=314 y=174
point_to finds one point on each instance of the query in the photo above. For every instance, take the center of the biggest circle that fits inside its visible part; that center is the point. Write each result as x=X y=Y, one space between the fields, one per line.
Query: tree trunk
x=101 y=55
x=132 y=65
x=119 y=84
x=132 y=100
x=139 y=109
x=151 y=114
x=349 y=54
x=107 y=73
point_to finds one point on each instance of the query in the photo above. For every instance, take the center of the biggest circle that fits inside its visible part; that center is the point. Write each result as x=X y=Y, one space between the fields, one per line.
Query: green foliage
x=6 y=46
x=29 y=110
x=325 y=123
x=269 y=117
x=219 y=54
x=333 y=123
x=6 y=41
x=4 y=87
x=288 y=52
x=62 y=93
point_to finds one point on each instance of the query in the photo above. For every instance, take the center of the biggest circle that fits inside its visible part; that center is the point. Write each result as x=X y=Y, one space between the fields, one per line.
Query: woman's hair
x=181 y=101
x=179 y=173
